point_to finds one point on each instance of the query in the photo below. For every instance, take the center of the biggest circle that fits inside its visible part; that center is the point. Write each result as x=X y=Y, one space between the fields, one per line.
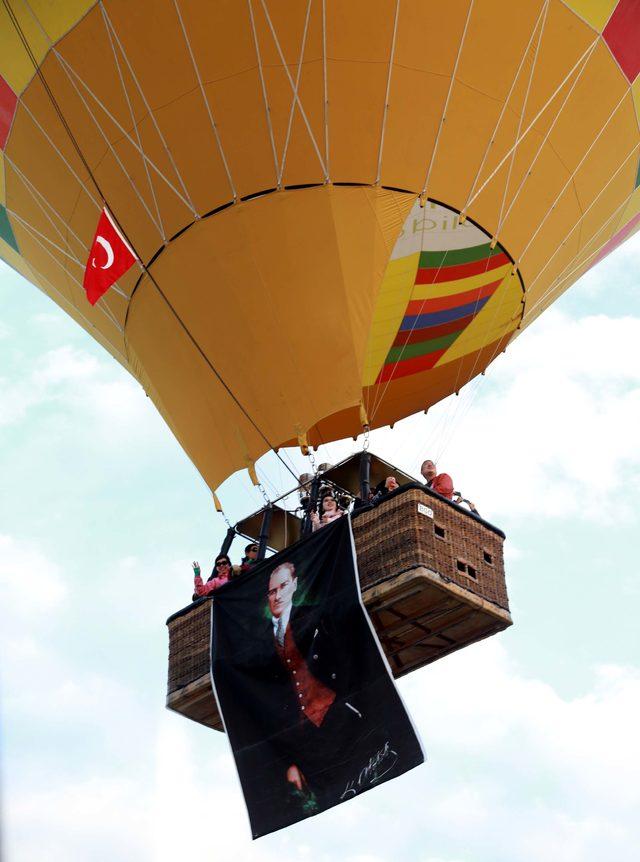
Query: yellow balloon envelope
x=343 y=211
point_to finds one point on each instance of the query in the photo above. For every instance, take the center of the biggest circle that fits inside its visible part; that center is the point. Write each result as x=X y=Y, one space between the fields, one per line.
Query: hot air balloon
x=393 y=189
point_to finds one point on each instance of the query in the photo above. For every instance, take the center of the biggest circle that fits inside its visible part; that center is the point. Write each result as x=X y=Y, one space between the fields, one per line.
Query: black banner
x=309 y=705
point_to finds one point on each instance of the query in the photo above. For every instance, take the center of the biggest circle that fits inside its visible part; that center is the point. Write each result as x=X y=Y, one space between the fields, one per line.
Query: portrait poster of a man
x=308 y=702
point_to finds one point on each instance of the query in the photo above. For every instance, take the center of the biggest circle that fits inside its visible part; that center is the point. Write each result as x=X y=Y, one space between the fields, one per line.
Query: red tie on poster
x=109 y=258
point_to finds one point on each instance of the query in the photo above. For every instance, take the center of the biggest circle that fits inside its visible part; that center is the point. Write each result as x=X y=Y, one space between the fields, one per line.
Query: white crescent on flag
x=107 y=247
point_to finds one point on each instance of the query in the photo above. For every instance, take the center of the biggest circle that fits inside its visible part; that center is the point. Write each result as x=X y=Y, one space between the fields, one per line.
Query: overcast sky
x=531 y=736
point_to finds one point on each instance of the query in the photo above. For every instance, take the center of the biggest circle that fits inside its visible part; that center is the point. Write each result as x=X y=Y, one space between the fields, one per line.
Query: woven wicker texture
x=189 y=646
x=395 y=537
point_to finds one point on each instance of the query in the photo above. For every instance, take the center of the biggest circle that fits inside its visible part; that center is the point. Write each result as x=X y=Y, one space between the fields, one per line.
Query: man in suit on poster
x=314 y=665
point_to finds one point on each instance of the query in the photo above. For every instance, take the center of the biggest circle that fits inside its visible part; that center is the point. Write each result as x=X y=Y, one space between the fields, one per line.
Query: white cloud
x=98 y=819
x=619 y=264
x=93 y=398
x=30 y=584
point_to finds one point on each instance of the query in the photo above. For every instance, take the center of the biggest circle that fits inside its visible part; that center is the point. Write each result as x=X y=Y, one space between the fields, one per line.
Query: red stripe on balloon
x=409 y=366
x=440 y=303
x=622 y=35
x=434 y=275
x=8 y=102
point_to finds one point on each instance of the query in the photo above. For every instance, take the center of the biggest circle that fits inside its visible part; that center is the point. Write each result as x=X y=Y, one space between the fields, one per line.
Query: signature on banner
x=379 y=765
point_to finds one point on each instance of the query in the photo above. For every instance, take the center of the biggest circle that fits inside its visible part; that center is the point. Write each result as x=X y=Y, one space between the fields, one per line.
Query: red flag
x=109 y=258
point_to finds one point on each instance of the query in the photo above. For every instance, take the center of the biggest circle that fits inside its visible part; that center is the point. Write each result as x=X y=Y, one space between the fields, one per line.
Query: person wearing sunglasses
x=250 y=558
x=220 y=575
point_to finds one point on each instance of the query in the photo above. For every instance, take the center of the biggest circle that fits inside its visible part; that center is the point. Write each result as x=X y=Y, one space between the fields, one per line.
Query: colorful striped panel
x=8 y=102
x=411 y=321
x=424 y=306
x=455 y=256
x=410 y=351
x=622 y=35
x=432 y=331
x=431 y=325
x=410 y=366
x=434 y=275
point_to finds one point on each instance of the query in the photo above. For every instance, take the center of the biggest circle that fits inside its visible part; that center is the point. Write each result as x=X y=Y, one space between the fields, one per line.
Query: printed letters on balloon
x=109 y=258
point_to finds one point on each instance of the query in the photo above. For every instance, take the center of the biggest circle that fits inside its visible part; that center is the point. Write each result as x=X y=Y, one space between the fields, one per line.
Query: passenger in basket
x=441 y=483
x=385 y=487
x=250 y=558
x=330 y=512
x=220 y=575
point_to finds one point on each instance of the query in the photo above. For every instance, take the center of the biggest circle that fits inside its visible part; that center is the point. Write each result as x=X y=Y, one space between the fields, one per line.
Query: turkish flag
x=109 y=258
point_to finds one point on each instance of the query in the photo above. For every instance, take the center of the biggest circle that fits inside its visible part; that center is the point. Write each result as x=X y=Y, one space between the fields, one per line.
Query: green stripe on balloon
x=408 y=351
x=457 y=255
x=6 y=231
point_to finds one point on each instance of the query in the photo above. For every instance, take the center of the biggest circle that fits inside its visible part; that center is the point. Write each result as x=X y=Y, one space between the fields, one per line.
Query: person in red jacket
x=441 y=483
x=220 y=575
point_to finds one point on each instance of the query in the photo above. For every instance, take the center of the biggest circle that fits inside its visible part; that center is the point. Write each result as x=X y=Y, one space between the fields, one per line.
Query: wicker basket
x=432 y=580
x=415 y=527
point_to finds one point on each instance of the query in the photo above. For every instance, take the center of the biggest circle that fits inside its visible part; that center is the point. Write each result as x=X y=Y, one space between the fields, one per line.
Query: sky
x=531 y=736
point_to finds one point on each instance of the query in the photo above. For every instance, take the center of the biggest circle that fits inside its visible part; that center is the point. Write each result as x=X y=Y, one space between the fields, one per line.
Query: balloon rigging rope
x=557 y=282
x=572 y=176
x=378 y=399
x=295 y=96
x=74 y=80
x=206 y=101
x=60 y=154
x=504 y=108
x=521 y=119
x=584 y=60
x=89 y=324
x=265 y=97
x=40 y=200
x=446 y=104
x=579 y=221
x=151 y=115
x=529 y=170
x=563 y=275
x=38 y=236
x=69 y=71
x=554 y=286
x=108 y=27
x=451 y=415
x=386 y=95
x=87 y=167
x=531 y=125
x=47 y=89
x=325 y=85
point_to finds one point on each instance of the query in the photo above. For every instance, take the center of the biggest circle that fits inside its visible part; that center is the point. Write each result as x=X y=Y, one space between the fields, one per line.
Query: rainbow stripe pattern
x=444 y=307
